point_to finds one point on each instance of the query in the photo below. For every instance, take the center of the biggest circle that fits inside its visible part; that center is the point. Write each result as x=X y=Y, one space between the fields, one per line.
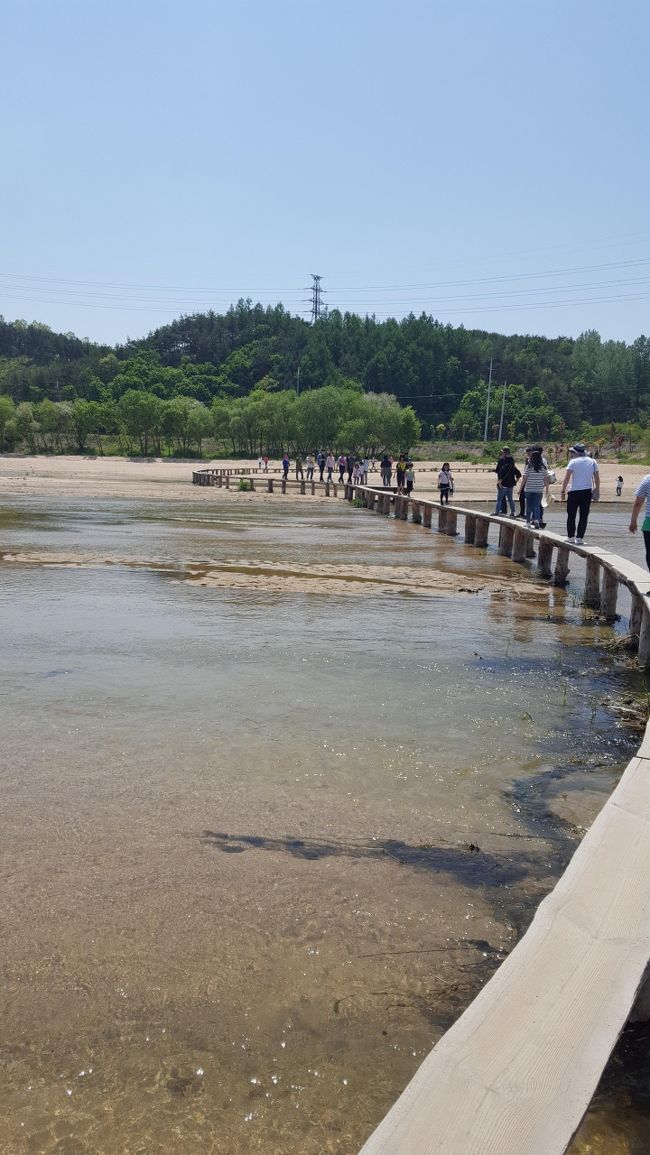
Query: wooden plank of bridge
x=517 y=1071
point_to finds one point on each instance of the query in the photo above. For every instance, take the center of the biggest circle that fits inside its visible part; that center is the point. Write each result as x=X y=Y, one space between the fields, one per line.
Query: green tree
x=27 y=426
x=7 y=416
x=141 y=415
x=84 y=419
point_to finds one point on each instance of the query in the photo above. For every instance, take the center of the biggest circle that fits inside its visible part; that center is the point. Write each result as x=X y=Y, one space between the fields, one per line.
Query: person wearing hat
x=582 y=472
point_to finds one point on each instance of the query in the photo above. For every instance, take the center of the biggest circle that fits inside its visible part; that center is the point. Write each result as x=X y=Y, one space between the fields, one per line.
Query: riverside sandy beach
x=74 y=476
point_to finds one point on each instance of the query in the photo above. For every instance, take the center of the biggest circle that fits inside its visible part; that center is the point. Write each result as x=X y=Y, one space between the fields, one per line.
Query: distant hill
x=436 y=368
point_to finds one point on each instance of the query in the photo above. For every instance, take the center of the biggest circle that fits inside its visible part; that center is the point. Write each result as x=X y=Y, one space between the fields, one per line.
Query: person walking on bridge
x=642 y=494
x=582 y=472
x=445 y=483
x=507 y=477
x=535 y=484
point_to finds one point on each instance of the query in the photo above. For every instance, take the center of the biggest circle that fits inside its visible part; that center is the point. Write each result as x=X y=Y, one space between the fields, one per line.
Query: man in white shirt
x=582 y=472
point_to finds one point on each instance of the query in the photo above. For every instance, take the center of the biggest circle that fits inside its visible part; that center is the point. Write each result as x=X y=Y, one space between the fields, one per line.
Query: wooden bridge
x=516 y=1072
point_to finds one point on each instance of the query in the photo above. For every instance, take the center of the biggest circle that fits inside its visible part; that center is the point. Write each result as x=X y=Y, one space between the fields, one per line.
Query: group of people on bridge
x=580 y=486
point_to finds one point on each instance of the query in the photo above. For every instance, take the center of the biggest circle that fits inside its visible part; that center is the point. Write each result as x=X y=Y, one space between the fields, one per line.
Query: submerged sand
x=192 y=967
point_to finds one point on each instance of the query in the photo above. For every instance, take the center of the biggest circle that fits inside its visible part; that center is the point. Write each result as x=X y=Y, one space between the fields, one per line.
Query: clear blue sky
x=486 y=162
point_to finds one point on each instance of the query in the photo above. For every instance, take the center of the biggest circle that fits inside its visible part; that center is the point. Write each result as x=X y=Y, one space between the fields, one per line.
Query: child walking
x=445 y=483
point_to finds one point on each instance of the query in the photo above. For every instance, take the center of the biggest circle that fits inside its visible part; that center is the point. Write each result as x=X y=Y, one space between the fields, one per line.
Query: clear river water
x=282 y=783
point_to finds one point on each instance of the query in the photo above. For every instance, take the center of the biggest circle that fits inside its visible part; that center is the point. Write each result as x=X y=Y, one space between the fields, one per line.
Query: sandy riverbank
x=72 y=476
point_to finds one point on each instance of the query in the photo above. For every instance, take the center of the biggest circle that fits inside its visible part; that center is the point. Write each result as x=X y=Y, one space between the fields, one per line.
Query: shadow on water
x=468 y=862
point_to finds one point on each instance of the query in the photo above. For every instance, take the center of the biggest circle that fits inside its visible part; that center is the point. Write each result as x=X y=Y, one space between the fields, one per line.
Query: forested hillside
x=554 y=385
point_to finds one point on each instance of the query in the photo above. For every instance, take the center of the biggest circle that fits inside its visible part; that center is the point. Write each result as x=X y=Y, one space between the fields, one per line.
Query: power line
x=239 y=292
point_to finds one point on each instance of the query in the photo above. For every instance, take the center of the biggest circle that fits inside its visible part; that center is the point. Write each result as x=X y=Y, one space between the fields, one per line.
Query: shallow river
x=281 y=786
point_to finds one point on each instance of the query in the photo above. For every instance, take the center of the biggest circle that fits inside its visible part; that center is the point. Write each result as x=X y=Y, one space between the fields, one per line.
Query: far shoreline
x=75 y=475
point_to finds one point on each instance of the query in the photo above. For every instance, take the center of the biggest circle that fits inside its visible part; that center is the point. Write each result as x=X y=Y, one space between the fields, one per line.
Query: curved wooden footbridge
x=516 y=1072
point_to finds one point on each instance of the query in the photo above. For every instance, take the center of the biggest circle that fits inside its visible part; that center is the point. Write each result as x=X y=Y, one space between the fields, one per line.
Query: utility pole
x=298 y=382
x=487 y=407
x=503 y=405
x=316 y=297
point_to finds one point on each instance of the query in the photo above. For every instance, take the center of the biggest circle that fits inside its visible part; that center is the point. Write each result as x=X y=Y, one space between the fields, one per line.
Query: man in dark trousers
x=582 y=472
x=507 y=477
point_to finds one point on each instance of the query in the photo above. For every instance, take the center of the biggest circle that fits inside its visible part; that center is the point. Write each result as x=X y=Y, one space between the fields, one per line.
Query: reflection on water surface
x=262 y=846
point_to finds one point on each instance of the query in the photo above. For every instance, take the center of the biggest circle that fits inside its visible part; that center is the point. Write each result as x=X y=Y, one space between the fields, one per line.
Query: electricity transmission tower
x=316 y=297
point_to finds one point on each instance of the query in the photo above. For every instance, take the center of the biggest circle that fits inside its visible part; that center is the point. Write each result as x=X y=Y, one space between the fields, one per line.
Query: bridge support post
x=644 y=637
x=302 y=488
x=636 y=615
x=219 y=480
x=251 y=484
x=506 y=540
x=592 y=583
x=385 y=504
x=609 y=596
x=335 y=488
x=313 y=487
x=283 y=485
x=327 y=489
x=561 y=572
x=416 y=513
x=442 y=519
x=545 y=558
x=269 y=485
x=519 y=545
x=227 y=479
x=452 y=523
x=482 y=531
x=530 y=545
x=426 y=514
x=470 y=529
x=370 y=499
